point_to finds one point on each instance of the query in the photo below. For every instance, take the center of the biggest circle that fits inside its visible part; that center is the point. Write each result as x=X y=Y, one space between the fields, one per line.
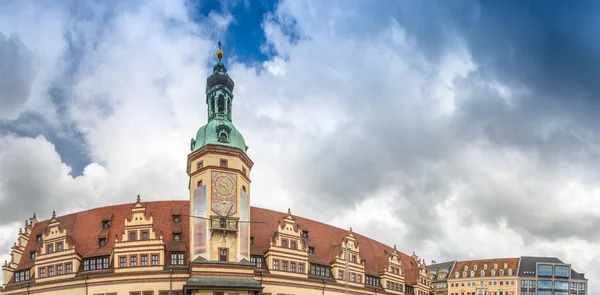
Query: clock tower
x=219 y=171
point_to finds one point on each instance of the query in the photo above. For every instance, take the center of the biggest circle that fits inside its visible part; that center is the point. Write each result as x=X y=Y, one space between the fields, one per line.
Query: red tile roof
x=84 y=228
x=325 y=239
x=513 y=263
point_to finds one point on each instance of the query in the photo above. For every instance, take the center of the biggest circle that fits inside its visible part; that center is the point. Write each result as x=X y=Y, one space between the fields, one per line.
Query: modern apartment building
x=550 y=276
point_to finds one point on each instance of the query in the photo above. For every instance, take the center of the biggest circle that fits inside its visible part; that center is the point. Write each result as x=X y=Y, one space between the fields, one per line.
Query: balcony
x=223 y=223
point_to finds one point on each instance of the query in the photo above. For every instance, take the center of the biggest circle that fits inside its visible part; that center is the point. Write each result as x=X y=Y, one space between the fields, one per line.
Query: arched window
x=501 y=272
x=493 y=273
x=495 y=266
x=505 y=265
x=510 y=271
x=221 y=104
x=483 y=273
x=464 y=274
x=456 y=275
x=474 y=267
x=472 y=273
x=485 y=267
x=466 y=268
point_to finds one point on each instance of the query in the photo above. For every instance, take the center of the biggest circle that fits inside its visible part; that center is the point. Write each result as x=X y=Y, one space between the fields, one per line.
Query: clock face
x=224 y=201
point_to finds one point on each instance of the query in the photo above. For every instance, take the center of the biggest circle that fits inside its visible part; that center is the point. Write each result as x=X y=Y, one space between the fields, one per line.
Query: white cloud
x=376 y=100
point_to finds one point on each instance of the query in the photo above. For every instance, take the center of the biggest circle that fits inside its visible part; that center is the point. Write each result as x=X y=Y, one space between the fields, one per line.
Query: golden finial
x=220 y=52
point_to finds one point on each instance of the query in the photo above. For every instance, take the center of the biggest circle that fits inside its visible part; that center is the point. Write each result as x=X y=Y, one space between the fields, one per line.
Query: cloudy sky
x=456 y=129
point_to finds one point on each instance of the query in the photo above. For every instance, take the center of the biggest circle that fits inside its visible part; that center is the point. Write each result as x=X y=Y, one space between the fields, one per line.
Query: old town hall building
x=216 y=243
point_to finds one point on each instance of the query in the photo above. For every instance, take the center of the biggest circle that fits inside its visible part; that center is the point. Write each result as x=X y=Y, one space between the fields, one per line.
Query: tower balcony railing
x=223 y=223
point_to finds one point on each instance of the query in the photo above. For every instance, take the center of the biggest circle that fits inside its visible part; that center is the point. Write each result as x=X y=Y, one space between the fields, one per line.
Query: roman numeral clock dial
x=223 y=193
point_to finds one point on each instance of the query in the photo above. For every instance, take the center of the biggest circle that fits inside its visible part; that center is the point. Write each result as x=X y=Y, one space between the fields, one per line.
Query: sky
x=455 y=129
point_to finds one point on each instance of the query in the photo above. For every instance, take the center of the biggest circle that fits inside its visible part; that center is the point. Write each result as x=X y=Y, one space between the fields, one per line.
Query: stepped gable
x=513 y=263
x=84 y=228
x=325 y=239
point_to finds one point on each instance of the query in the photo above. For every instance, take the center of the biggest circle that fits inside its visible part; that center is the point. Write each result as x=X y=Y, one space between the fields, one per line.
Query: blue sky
x=438 y=121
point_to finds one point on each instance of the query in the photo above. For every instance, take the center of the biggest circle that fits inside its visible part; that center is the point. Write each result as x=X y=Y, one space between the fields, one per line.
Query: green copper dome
x=219 y=98
x=215 y=132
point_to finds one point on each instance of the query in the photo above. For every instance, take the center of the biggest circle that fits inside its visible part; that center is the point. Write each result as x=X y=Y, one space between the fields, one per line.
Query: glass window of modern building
x=544 y=284
x=544 y=270
x=561 y=271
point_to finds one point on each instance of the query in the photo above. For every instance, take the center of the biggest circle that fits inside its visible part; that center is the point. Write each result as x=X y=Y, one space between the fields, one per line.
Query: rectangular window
x=122 y=261
x=352 y=277
x=223 y=163
x=544 y=270
x=177 y=258
x=59 y=246
x=144 y=260
x=199 y=165
x=144 y=235
x=86 y=265
x=561 y=271
x=148 y=293
x=132 y=235
x=59 y=269
x=544 y=284
x=284 y=265
x=284 y=243
x=244 y=170
x=359 y=278
x=42 y=272
x=340 y=275
x=293 y=245
x=49 y=249
x=69 y=268
x=275 y=265
x=223 y=254
x=154 y=259
x=320 y=270
x=257 y=260
x=561 y=285
x=50 y=271
x=293 y=266
x=133 y=261
x=301 y=268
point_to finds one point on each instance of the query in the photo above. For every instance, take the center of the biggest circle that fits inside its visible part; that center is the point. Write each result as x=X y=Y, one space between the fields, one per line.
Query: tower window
x=221 y=104
x=223 y=253
x=223 y=137
x=244 y=170
x=199 y=165
x=244 y=188
x=199 y=183
x=105 y=224
x=223 y=162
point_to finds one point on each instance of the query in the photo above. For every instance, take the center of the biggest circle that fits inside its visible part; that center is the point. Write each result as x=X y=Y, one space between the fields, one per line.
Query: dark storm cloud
x=16 y=74
x=543 y=52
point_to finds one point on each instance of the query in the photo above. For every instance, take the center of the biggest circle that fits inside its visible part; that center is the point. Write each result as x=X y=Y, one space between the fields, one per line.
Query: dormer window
x=311 y=250
x=485 y=267
x=466 y=268
x=474 y=267
x=510 y=272
x=38 y=238
x=176 y=219
x=305 y=234
x=501 y=272
x=493 y=273
x=251 y=240
x=177 y=237
x=483 y=273
x=32 y=255
x=456 y=275
x=495 y=266
x=472 y=273
x=505 y=265
x=102 y=242
x=106 y=224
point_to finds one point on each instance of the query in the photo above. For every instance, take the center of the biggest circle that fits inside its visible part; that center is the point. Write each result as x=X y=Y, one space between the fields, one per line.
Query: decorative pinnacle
x=53 y=214
x=138 y=198
x=350 y=229
x=220 y=52
x=289 y=211
x=26 y=223
x=33 y=215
